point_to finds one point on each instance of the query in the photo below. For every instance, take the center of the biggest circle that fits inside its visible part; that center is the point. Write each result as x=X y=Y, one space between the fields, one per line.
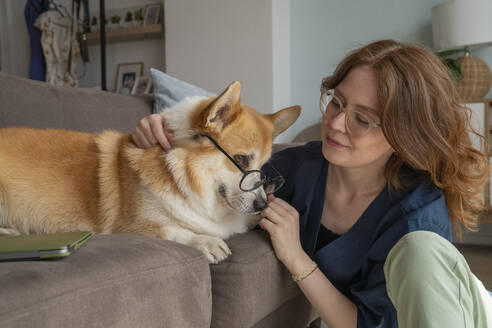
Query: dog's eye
x=242 y=160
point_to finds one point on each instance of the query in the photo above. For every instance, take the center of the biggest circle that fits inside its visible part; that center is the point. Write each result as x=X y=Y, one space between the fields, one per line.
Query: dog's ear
x=284 y=118
x=224 y=108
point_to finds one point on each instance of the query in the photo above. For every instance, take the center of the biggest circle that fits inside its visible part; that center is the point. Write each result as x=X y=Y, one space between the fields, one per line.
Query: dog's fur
x=56 y=180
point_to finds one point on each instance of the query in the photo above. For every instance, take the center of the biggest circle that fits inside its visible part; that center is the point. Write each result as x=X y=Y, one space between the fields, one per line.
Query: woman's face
x=357 y=91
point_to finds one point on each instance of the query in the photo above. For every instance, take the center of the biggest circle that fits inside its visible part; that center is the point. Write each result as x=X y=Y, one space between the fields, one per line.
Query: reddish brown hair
x=425 y=123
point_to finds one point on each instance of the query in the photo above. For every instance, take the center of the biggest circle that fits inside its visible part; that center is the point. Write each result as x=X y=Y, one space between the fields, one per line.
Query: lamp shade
x=462 y=23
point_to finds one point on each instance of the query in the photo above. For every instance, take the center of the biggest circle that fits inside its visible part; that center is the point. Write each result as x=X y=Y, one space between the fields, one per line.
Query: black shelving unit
x=102 y=33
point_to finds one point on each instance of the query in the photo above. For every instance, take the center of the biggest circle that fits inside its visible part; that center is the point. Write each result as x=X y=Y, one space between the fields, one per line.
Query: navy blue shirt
x=354 y=261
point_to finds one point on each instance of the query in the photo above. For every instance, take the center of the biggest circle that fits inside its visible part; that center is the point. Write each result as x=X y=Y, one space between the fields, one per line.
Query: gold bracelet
x=303 y=275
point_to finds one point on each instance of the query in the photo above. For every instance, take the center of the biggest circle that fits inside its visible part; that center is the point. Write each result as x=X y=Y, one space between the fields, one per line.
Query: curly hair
x=424 y=121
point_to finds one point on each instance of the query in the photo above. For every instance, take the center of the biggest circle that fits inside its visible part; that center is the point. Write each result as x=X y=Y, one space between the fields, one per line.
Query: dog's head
x=242 y=133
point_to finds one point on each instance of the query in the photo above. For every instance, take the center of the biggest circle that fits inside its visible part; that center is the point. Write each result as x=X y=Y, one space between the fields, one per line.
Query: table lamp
x=465 y=25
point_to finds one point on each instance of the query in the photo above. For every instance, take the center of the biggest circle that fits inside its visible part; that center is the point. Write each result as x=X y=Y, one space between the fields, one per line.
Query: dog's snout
x=259 y=204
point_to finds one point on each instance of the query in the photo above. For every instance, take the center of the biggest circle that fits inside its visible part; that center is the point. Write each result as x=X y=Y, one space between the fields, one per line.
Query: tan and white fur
x=57 y=180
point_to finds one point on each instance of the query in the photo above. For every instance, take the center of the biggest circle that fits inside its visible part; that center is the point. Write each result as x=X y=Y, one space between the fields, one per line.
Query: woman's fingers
x=140 y=140
x=280 y=206
x=270 y=214
x=147 y=132
x=282 y=203
x=159 y=132
x=278 y=209
x=152 y=130
x=266 y=224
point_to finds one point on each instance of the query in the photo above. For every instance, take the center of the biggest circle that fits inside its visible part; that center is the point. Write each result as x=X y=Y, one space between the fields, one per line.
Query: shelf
x=128 y=34
x=486 y=100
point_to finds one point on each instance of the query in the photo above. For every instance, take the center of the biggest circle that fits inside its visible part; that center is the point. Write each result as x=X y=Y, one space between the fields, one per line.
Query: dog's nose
x=259 y=204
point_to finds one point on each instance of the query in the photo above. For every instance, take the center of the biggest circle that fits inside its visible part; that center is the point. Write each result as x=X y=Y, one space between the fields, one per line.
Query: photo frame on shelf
x=126 y=76
x=152 y=14
x=142 y=85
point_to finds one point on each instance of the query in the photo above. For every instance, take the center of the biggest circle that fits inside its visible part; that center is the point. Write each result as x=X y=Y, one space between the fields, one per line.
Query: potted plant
x=115 y=21
x=94 y=24
x=138 y=15
x=452 y=63
x=128 y=22
x=472 y=74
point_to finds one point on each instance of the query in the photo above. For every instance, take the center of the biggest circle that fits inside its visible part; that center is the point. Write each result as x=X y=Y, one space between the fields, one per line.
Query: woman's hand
x=281 y=221
x=152 y=130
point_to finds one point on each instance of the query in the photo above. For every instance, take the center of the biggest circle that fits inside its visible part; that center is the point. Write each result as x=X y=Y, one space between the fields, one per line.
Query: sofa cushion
x=120 y=280
x=168 y=90
x=281 y=146
x=312 y=132
x=250 y=284
x=42 y=105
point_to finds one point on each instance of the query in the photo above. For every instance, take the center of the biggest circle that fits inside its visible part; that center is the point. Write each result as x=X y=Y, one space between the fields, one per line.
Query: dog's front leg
x=214 y=248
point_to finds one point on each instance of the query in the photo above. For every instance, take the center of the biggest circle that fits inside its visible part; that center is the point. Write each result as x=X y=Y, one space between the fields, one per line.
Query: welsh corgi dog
x=57 y=180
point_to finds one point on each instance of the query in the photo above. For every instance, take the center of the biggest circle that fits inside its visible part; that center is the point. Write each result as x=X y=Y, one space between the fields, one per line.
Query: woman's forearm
x=335 y=309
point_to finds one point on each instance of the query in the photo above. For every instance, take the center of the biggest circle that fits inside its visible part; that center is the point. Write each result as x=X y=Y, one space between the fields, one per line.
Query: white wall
x=213 y=43
x=281 y=57
x=14 y=39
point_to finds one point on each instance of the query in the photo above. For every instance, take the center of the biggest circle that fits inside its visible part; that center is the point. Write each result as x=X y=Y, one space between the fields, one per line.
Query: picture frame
x=142 y=85
x=126 y=76
x=152 y=14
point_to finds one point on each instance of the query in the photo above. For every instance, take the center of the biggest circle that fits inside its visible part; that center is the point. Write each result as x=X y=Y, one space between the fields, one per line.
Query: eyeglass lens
x=255 y=179
x=357 y=123
x=272 y=185
x=252 y=180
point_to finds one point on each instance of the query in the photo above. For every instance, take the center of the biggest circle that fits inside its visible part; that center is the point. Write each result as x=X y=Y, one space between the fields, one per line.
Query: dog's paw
x=214 y=248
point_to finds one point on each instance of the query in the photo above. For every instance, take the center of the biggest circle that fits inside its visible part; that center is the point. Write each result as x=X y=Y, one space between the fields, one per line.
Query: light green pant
x=431 y=285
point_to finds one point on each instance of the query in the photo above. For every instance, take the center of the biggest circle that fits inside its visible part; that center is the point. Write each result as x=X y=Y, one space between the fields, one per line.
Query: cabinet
x=122 y=50
x=481 y=118
x=128 y=34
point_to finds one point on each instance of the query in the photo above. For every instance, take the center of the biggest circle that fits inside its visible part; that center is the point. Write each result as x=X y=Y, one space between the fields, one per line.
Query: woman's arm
x=281 y=221
x=335 y=309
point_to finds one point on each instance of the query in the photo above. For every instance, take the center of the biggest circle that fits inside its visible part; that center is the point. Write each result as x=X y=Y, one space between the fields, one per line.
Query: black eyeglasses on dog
x=254 y=179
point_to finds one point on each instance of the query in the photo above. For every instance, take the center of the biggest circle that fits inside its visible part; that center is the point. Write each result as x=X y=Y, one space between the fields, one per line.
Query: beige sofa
x=126 y=280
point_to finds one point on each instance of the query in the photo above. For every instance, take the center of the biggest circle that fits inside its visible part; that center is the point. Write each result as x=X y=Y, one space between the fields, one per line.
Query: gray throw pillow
x=168 y=90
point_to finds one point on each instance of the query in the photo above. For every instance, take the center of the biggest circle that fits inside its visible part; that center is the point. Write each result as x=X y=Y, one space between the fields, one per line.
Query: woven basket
x=475 y=79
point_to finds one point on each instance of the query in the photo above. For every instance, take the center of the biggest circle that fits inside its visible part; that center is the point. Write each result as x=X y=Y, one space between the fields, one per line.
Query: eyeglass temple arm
x=231 y=159
x=276 y=171
x=224 y=152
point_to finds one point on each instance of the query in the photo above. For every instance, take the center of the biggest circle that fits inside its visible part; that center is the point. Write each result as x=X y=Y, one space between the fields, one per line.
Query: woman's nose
x=338 y=122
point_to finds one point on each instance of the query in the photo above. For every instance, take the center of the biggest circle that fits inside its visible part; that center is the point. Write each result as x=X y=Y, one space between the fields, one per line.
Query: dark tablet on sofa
x=42 y=246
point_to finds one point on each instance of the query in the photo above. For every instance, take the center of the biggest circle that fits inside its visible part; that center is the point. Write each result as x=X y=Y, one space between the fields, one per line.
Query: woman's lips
x=333 y=143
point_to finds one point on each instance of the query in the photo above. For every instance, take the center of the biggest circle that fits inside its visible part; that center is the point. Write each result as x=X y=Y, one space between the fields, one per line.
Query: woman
x=372 y=205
